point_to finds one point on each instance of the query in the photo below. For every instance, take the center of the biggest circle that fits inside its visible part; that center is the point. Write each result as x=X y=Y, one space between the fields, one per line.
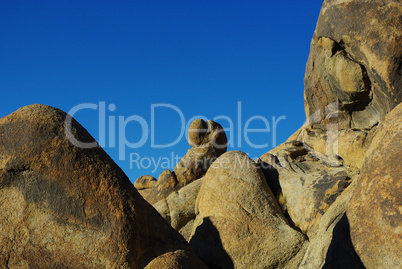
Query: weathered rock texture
x=145 y=182
x=208 y=141
x=337 y=179
x=304 y=181
x=375 y=211
x=353 y=76
x=179 y=208
x=164 y=186
x=63 y=206
x=355 y=58
x=353 y=79
x=330 y=245
x=345 y=146
x=239 y=223
x=179 y=259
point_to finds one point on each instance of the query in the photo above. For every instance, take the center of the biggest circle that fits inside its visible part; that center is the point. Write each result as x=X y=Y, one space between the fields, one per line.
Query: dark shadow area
x=271 y=176
x=341 y=253
x=207 y=245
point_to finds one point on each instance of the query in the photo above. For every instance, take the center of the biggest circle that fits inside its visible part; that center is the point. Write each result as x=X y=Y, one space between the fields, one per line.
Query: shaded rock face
x=62 y=205
x=179 y=259
x=239 y=223
x=375 y=210
x=208 y=141
x=304 y=182
x=355 y=60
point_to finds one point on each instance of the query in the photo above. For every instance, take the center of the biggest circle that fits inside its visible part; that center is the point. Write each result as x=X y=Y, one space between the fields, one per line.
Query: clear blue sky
x=202 y=57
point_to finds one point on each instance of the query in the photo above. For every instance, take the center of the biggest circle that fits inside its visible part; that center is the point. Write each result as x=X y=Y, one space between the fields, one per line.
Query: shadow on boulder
x=207 y=244
x=271 y=176
x=341 y=253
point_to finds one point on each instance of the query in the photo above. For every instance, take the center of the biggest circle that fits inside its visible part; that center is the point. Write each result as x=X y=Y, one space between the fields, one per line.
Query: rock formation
x=353 y=79
x=307 y=182
x=375 y=210
x=352 y=91
x=145 y=182
x=353 y=76
x=208 y=141
x=179 y=259
x=329 y=244
x=179 y=208
x=165 y=185
x=329 y=197
x=63 y=205
x=355 y=59
x=239 y=222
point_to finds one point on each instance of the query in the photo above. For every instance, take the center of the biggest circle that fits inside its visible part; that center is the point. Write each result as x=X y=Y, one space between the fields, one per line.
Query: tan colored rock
x=179 y=208
x=304 y=182
x=187 y=230
x=329 y=244
x=197 y=133
x=145 y=182
x=180 y=259
x=208 y=133
x=208 y=141
x=239 y=223
x=62 y=205
x=165 y=185
x=375 y=211
x=352 y=77
x=348 y=144
x=355 y=60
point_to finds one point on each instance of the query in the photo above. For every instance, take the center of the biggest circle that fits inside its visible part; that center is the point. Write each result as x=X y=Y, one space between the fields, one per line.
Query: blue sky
x=200 y=57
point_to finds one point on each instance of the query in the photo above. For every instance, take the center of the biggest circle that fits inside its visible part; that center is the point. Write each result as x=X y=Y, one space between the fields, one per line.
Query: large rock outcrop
x=353 y=76
x=355 y=60
x=375 y=210
x=239 y=223
x=337 y=179
x=62 y=205
x=353 y=79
